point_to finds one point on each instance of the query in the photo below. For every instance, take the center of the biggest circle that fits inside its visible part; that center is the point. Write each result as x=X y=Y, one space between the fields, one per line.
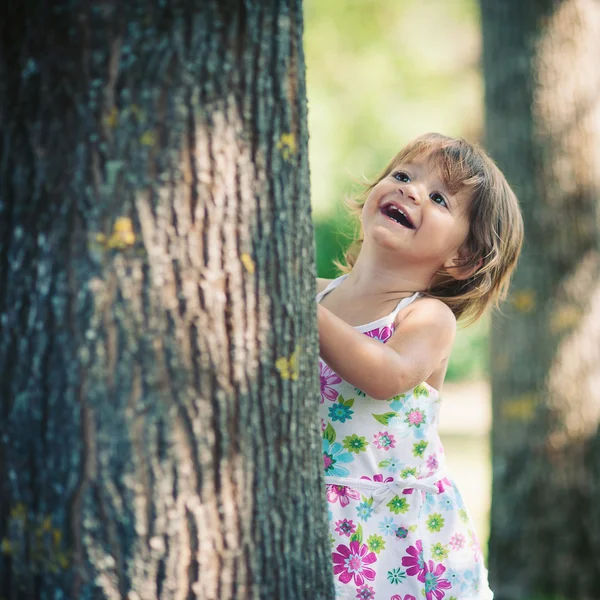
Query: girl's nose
x=411 y=192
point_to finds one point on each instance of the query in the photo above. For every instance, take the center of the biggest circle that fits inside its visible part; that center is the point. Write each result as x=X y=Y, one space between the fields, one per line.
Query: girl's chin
x=389 y=234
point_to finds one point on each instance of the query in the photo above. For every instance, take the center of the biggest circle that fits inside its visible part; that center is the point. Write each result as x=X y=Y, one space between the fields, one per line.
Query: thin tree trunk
x=158 y=430
x=543 y=127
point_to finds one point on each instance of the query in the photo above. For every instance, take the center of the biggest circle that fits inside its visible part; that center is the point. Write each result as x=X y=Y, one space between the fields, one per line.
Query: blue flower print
x=392 y=464
x=470 y=583
x=419 y=433
x=454 y=578
x=387 y=526
x=364 y=510
x=430 y=501
x=333 y=455
x=445 y=502
x=340 y=412
x=397 y=404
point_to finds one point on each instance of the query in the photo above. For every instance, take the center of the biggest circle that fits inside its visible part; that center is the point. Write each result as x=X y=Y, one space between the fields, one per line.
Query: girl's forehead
x=453 y=175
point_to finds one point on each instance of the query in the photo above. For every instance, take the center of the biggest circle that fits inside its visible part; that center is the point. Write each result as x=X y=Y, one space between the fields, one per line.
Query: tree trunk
x=158 y=379
x=543 y=126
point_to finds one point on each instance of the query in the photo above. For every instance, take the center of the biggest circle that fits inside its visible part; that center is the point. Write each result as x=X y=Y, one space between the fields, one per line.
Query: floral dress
x=399 y=527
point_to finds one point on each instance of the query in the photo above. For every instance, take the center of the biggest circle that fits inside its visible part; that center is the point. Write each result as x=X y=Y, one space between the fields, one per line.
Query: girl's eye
x=438 y=199
x=401 y=176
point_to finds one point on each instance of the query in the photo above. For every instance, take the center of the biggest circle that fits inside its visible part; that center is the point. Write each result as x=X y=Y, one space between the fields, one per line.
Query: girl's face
x=410 y=212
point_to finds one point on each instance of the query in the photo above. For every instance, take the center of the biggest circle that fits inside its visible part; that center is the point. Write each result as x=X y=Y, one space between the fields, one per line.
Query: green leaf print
x=366 y=500
x=357 y=536
x=348 y=403
x=420 y=390
x=435 y=522
x=398 y=505
x=385 y=418
x=398 y=397
x=383 y=464
x=329 y=433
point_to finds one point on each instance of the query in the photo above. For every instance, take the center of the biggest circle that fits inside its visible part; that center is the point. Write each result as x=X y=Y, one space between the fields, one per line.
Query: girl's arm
x=420 y=342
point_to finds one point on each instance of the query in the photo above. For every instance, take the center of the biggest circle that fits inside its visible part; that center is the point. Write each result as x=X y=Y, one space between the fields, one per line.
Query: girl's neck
x=385 y=278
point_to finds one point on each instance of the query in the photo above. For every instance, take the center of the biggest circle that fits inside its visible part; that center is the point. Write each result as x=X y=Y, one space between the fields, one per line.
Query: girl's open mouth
x=395 y=213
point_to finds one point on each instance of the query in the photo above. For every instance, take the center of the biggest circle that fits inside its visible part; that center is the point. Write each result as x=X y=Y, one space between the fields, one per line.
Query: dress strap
x=403 y=304
x=332 y=285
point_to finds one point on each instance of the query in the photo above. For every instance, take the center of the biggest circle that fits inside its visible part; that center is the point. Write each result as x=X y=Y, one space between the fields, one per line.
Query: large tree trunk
x=158 y=429
x=543 y=127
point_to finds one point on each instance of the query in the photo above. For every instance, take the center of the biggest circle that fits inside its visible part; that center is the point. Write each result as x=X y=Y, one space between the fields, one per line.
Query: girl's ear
x=459 y=268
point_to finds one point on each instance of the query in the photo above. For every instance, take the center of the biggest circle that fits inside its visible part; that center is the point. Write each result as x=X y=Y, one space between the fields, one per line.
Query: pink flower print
x=378 y=477
x=415 y=417
x=384 y=440
x=407 y=597
x=476 y=548
x=434 y=586
x=365 y=592
x=383 y=334
x=328 y=379
x=432 y=462
x=341 y=493
x=350 y=562
x=415 y=561
x=323 y=426
x=345 y=527
x=457 y=541
x=441 y=485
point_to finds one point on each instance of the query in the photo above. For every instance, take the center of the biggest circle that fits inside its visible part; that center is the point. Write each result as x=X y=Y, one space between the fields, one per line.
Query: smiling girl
x=441 y=232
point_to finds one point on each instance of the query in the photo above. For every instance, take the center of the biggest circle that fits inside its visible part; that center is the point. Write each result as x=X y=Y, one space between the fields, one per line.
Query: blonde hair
x=495 y=233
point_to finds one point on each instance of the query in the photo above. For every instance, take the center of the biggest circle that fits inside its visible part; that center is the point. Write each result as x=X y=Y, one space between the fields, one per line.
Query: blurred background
x=377 y=78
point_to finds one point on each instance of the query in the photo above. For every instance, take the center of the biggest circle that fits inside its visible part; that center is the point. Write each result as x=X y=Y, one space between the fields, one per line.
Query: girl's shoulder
x=428 y=310
x=322 y=283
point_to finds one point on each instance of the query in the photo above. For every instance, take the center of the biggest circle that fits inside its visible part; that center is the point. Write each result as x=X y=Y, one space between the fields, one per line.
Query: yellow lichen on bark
x=288 y=367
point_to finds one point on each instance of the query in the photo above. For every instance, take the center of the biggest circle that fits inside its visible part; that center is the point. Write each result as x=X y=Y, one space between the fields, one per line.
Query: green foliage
x=333 y=234
x=469 y=358
x=380 y=73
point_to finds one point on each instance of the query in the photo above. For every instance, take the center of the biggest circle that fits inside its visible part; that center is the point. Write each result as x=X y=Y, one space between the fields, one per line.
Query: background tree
x=543 y=127
x=158 y=434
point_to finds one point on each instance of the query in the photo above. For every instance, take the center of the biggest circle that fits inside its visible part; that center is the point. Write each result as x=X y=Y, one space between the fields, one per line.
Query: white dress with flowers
x=399 y=528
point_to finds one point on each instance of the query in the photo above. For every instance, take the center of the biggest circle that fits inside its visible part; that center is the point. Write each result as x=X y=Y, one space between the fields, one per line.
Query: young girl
x=441 y=231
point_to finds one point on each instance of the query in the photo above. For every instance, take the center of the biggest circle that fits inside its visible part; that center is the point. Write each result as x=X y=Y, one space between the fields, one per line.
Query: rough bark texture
x=543 y=127
x=158 y=429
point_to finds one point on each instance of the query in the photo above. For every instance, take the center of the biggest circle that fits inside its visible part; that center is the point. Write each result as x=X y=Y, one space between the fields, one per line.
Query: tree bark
x=158 y=375
x=543 y=127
